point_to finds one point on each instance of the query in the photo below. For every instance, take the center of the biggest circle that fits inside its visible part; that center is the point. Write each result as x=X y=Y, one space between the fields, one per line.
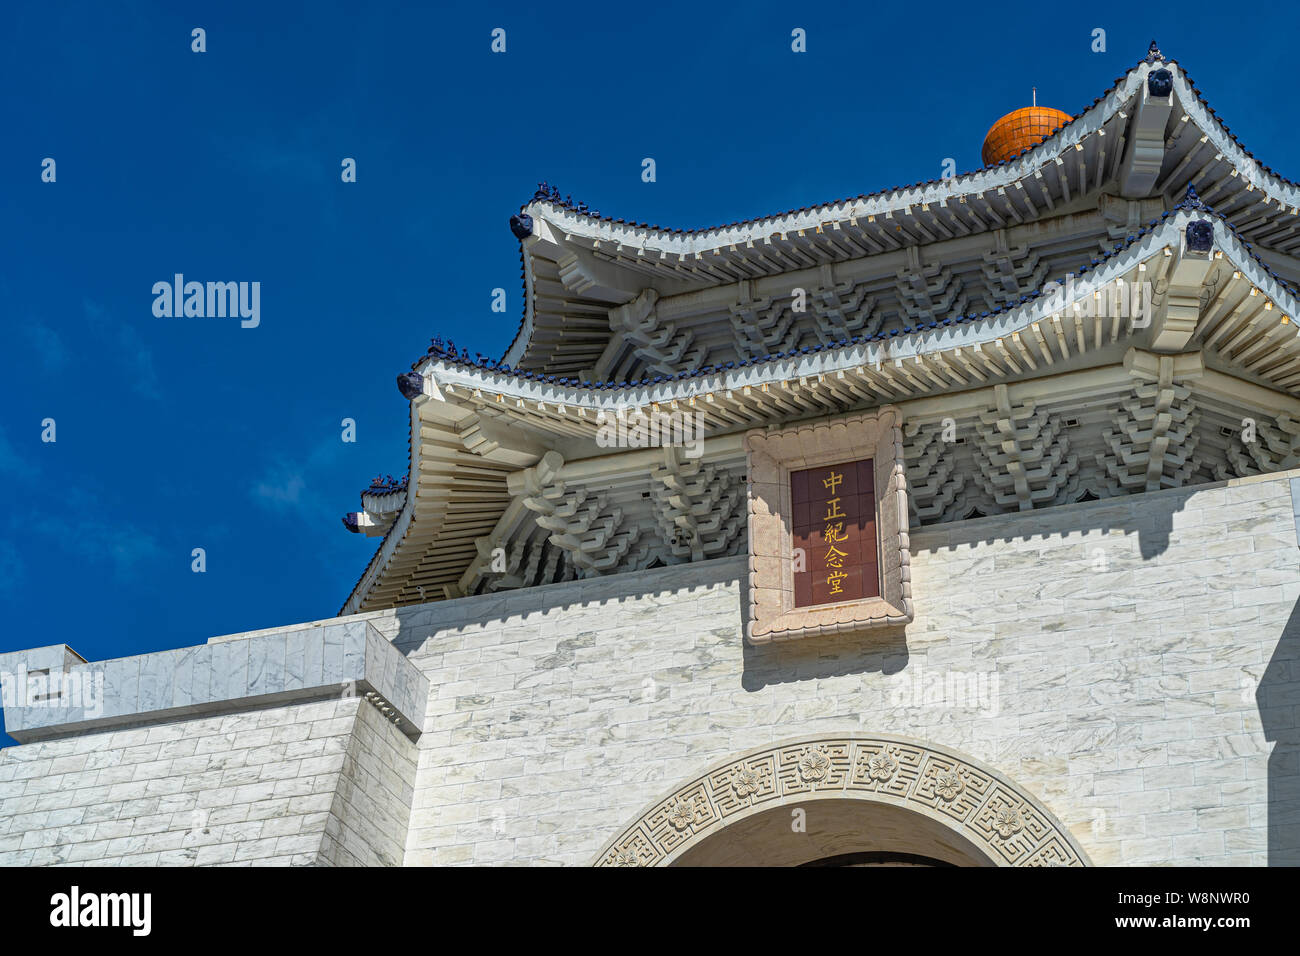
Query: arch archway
x=858 y=793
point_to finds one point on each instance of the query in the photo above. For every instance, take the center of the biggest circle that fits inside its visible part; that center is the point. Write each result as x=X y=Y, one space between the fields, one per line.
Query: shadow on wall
x=630 y=600
x=1149 y=515
x=811 y=658
x=1278 y=698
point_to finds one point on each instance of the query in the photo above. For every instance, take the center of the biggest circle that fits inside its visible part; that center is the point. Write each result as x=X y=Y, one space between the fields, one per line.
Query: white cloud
x=48 y=345
x=126 y=345
x=281 y=490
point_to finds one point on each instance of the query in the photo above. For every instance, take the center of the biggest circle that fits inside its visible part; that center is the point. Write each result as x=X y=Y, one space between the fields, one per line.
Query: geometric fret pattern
x=1008 y=825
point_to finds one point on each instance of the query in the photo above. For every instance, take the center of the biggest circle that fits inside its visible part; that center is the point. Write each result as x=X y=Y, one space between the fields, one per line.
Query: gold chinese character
x=835 y=557
x=832 y=482
x=834 y=532
x=835 y=580
x=833 y=510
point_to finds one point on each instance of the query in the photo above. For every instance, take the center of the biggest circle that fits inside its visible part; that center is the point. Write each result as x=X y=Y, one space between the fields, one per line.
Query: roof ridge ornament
x=1200 y=232
x=522 y=226
x=1153 y=53
x=1160 y=82
x=386 y=484
x=545 y=192
x=1200 y=235
x=411 y=385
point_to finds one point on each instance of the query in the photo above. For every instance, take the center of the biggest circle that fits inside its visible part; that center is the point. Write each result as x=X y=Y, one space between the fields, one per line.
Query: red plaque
x=834 y=530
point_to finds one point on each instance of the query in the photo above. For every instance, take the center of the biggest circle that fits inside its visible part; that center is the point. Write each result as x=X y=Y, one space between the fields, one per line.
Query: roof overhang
x=578 y=265
x=475 y=427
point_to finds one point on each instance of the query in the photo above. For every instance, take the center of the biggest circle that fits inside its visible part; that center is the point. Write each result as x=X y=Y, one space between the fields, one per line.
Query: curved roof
x=954 y=354
x=445 y=355
x=1039 y=178
x=577 y=265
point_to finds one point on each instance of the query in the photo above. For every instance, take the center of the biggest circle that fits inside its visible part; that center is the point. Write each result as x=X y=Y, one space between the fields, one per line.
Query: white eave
x=1040 y=180
x=452 y=382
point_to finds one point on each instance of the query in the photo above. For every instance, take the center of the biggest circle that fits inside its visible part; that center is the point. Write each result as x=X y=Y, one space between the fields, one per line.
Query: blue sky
x=180 y=433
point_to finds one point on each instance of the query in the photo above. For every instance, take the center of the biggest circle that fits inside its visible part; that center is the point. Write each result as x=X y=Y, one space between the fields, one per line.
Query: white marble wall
x=1139 y=660
x=1128 y=638
x=257 y=788
x=372 y=801
x=278 y=666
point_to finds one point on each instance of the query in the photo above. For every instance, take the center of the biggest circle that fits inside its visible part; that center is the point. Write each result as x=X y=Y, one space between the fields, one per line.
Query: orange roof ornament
x=1021 y=129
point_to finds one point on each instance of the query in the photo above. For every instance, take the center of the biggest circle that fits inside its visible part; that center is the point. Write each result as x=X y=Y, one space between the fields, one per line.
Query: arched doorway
x=852 y=799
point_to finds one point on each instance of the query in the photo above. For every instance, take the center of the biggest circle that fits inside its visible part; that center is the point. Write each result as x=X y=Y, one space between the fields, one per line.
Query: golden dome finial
x=1021 y=129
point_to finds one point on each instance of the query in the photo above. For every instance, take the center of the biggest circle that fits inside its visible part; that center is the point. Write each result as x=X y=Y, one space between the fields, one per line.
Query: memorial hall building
x=950 y=524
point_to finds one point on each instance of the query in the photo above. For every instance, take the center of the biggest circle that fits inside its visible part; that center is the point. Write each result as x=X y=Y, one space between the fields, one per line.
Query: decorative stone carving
x=771 y=457
x=1009 y=270
x=948 y=784
x=1023 y=454
x=813 y=766
x=745 y=782
x=1153 y=441
x=882 y=766
x=928 y=292
x=681 y=814
x=658 y=344
x=1005 y=823
x=698 y=507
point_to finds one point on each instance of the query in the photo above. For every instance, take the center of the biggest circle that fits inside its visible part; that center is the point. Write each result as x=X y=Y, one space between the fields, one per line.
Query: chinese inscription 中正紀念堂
x=834 y=526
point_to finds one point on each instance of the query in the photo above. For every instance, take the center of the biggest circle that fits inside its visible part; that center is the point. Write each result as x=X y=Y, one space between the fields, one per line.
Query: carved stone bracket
x=1152 y=439
x=595 y=535
x=761 y=325
x=1023 y=455
x=1009 y=270
x=1272 y=449
x=842 y=310
x=699 y=507
x=658 y=344
x=928 y=292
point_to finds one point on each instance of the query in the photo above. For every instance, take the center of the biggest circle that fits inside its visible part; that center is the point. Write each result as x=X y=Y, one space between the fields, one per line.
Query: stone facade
x=1128 y=663
x=326 y=782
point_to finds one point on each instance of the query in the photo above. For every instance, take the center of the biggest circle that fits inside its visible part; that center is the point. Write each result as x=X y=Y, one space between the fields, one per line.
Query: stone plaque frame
x=771 y=457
